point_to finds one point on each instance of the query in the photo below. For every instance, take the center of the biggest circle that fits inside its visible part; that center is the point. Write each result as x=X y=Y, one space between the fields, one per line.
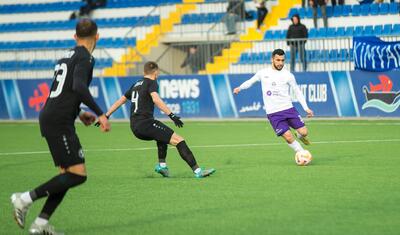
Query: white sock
x=41 y=221
x=163 y=164
x=296 y=146
x=197 y=171
x=26 y=197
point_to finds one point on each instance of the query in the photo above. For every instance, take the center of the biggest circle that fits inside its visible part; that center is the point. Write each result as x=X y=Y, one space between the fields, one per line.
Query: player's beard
x=277 y=68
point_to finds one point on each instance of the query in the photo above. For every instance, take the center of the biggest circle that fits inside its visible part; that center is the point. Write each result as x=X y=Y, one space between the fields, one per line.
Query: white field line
x=210 y=146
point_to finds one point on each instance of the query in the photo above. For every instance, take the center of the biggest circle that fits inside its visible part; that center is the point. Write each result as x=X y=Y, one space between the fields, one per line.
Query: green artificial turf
x=351 y=187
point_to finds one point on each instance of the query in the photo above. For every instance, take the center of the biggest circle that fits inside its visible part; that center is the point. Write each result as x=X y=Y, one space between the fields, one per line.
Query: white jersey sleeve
x=296 y=89
x=247 y=84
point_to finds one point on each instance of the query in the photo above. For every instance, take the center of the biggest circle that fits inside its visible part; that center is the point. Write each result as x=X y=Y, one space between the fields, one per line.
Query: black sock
x=187 y=155
x=51 y=204
x=162 y=151
x=57 y=184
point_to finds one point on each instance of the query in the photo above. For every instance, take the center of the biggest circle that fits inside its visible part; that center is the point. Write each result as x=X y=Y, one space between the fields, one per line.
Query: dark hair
x=150 y=67
x=86 y=28
x=278 y=52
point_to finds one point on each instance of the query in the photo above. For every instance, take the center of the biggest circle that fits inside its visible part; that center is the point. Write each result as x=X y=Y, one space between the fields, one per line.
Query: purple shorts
x=282 y=121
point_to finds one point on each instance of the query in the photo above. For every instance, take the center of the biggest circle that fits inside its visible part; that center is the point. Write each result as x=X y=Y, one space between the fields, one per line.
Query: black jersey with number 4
x=142 y=105
x=72 y=76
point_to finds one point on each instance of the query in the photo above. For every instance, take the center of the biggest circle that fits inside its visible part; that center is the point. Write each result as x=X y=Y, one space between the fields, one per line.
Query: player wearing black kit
x=70 y=88
x=143 y=96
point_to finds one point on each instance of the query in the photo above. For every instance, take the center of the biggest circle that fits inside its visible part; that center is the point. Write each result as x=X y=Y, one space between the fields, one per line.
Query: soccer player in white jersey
x=275 y=84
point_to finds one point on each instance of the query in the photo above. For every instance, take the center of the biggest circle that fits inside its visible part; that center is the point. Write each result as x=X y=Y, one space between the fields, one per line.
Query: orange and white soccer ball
x=303 y=158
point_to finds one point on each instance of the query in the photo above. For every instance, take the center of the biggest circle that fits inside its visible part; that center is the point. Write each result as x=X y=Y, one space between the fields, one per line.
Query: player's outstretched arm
x=116 y=105
x=247 y=84
x=113 y=108
x=163 y=107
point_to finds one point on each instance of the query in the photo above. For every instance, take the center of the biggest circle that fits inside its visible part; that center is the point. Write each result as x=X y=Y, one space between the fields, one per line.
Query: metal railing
x=320 y=54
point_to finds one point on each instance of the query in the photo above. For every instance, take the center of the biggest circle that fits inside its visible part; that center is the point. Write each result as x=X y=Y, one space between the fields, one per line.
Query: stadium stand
x=32 y=34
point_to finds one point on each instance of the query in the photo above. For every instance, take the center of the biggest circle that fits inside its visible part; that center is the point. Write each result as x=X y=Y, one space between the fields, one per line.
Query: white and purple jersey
x=275 y=86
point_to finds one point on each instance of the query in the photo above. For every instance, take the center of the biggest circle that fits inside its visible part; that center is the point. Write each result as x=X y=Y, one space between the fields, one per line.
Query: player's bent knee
x=176 y=139
x=288 y=137
x=79 y=169
x=303 y=131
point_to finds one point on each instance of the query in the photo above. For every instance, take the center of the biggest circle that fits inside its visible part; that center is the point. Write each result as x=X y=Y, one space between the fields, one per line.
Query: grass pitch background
x=352 y=186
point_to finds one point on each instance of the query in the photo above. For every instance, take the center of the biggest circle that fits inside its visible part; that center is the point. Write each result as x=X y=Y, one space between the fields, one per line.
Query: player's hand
x=97 y=124
x=176 y=119
x=236 y=90
x=87 y=118
x=104 y=124
x=310 y=113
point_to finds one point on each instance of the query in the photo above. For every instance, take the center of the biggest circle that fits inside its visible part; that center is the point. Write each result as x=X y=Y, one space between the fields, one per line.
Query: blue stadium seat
x=333 y=55
x=358 y=31
x=396 y=29
x=349 y=31
x=315 y=57
x=387 y=29
x=343 y=55
x=337 y=10
x=394 y=8
x=340 y=32
x=268 y=35
x=279 y=34
x=331 y=32
x=292 y=12
x=309 y=55
x=185 y=19
x=329 y=11
x=384 y=8
x=378 y=30
x=368 y=30
x=312 y=33
x=324 y=56
x=245 y=58
x=63 y=44
x=321 y=33
x=374 y=9
x=40 y=7
x=70 y=24
x=302 y=13
x=264 y=57
x=346 y=10
x=365 y=9
x=356 y=10
x=351 y=55
x=257 y=58
x=366 y=1
x=42 y=64
x=309 y=12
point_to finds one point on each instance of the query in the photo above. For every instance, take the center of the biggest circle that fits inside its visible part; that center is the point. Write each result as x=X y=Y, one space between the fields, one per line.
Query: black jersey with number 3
x=142 y=105
x=72 y=76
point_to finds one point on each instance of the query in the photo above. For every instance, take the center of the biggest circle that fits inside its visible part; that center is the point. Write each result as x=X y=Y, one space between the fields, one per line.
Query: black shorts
x=66 y=150
x=151 y=129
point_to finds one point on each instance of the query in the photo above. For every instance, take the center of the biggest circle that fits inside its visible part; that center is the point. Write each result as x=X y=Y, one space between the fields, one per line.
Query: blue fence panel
x=349 y=94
